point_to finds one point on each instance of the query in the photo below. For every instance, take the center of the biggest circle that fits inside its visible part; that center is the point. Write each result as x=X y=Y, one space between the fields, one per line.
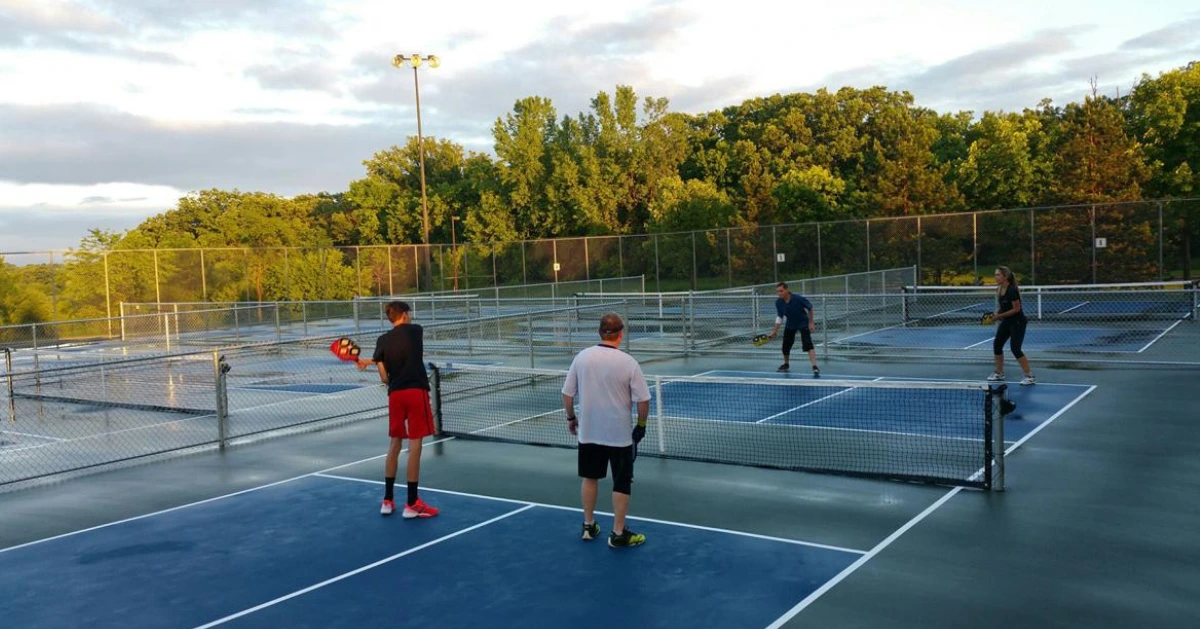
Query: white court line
x=1053 y=417
x=30 y=434
x=347 y=575
x=1164 y=333
x=977 y=345
x=517 y=421
x=1079 y=305
x=828 y=585
x=630 y=517
x=214 y=498
x=807 y=404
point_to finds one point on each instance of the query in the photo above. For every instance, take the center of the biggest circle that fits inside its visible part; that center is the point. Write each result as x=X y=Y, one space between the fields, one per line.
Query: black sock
x=412 y=492
x=389 y=484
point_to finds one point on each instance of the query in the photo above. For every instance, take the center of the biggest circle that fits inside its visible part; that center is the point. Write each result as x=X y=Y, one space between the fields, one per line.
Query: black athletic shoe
x=783 y=367
x=626 y=539
x=590 y=531
x=816 y=372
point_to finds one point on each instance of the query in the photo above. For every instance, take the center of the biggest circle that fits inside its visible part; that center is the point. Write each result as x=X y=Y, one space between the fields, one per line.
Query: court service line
x=34 y=435
x=1078 y=305
x=605 y=513
x=828 y=585
x=807 y=404
x=974 y=345
x=1155 y=339
x=371 y=566
x=213 y=499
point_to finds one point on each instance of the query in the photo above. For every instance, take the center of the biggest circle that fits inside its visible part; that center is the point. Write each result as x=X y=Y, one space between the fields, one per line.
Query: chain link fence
x=1101 y=243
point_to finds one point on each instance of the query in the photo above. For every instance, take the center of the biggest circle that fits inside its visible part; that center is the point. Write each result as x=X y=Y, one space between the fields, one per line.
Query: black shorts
x=595 y=459
x=789 y=339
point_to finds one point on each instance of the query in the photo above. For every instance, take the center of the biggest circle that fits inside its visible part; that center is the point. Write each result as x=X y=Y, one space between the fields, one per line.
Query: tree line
x=630 y=165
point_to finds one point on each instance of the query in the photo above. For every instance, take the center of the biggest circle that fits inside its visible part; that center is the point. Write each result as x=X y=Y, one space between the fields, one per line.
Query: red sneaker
x=387 y=508
x=419 y=510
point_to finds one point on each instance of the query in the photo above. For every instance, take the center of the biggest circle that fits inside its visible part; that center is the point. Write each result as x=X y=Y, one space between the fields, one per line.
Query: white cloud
x=134 y=198
x=290 y=96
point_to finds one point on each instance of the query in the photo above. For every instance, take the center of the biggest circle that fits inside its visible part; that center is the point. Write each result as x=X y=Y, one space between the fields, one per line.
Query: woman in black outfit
x=1012 y=326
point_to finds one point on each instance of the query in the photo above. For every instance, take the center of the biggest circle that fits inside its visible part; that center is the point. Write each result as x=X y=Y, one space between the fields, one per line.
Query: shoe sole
x=418 y=516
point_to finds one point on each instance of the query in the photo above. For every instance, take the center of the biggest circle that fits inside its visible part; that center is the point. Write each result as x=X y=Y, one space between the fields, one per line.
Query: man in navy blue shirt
x=798 y=312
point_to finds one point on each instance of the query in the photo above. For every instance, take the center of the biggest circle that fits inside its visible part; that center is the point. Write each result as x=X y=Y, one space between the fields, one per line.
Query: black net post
x=436 y=386
x=221 y=368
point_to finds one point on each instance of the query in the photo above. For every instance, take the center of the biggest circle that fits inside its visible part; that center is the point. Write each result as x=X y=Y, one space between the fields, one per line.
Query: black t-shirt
x=401 y=350
x=1011 y=295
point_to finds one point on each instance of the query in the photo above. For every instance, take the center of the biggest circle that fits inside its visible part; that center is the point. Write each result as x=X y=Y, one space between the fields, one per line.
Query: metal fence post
x=868 y=245
x=1092 y=220
x=657 y=271
x=729 y=253
x=529 y=335
x=8 y=378
x=621 y=257
x=203 y=279
x=820 y=257
x=1032 y=249
x=694 y=271
x=825 y=326
x=1161 y=275
x=625 y=316
x=107 y=296
x=775 y=252
x=975 y=243
x=919 y=251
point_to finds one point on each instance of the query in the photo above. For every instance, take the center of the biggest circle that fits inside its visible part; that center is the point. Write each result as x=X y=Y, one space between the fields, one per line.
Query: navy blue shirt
x=795 y=311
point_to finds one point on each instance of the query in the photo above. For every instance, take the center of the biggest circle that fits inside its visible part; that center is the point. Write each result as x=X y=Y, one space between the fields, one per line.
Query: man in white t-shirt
x=608 y=383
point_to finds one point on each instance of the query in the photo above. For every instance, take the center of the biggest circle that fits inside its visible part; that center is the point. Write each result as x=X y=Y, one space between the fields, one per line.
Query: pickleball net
x=939 y=432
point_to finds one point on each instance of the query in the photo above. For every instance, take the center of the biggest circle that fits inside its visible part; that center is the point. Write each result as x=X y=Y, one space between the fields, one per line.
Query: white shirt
x=606 y=382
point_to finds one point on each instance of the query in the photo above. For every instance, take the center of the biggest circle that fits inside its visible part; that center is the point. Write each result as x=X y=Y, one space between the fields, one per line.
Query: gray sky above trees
x=110 y=110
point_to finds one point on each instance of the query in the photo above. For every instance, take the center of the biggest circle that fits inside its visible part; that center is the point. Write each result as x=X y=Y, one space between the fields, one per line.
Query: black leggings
x=1010 y=328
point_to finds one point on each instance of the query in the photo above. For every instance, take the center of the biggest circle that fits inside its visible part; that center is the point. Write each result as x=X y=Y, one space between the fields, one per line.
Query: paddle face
x=345 y=349
x=760 y=339
x=987 y=319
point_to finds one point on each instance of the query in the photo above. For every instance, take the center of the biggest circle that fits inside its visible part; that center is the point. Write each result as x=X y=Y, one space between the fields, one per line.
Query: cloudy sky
x=110 y=110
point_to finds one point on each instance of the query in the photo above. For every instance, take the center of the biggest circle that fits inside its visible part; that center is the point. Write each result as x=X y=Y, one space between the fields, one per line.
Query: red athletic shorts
x=411 y=407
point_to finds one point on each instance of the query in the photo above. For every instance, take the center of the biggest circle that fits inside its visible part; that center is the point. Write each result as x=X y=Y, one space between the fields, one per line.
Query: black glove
x=639 y=433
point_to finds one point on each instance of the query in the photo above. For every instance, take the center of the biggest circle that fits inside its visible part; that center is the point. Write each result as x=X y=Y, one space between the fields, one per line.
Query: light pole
x=415 y=61
x=454 y=249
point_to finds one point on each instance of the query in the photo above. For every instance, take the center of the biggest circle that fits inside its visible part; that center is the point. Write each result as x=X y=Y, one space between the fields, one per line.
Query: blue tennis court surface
x=1097 y=339
x=313 y=552
x=843 y=408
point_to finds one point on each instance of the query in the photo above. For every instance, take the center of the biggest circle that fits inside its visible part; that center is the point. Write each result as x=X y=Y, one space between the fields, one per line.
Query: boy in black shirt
x=399 y=356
